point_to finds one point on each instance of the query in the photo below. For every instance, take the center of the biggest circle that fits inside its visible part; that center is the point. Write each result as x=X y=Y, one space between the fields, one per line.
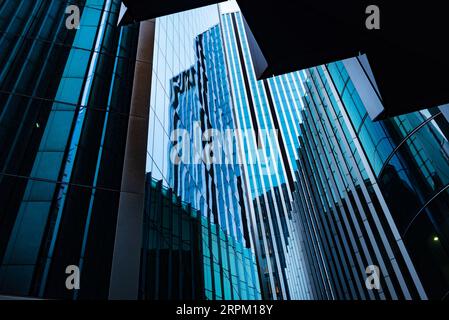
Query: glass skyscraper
x=218 y=90
x=153 y=159
x=198 y=102
x=65 y=99
x=270 y=109
x=371 y=193
x=76 y=104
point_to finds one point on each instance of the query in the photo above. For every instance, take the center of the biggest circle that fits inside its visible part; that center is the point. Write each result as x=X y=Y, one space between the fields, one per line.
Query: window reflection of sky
x=173 y=53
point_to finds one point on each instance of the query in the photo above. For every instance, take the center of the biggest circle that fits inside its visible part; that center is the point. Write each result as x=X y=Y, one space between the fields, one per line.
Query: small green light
x=436 y=239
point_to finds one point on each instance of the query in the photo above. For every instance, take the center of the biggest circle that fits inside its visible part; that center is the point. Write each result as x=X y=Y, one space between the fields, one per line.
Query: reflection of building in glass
x=267 y=105
x=187 y=257
x=314 y=205
x=71 y=113
x=250 y=202
x=371 y=193
x=200 y=101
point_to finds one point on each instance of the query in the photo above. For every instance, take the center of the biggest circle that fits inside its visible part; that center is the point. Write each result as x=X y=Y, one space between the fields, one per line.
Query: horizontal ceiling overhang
x=408 y=56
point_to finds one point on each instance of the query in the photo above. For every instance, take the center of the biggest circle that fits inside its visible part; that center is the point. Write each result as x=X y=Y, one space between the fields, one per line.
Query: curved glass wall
x=428 y=236
x=409 y=155
x=342 y=222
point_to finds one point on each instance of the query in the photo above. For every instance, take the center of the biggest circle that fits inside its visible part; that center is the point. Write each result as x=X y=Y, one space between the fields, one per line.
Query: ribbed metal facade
x=370 y=193
x=329 y=195
x=261 y=109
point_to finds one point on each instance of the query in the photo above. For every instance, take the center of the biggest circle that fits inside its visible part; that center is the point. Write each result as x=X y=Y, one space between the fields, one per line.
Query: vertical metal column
x=124 y=282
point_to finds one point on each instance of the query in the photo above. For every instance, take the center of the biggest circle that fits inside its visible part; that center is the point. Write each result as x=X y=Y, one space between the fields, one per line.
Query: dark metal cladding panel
x=149 y=9
x=408 y=55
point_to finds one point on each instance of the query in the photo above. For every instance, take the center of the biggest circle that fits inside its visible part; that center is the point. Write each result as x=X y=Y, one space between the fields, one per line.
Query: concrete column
x=124 y=281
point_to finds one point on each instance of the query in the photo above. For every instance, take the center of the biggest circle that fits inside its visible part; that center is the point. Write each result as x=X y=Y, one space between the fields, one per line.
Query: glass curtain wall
x=371 y=193
x=64 y=102
x=268 y=112
x=190 y=96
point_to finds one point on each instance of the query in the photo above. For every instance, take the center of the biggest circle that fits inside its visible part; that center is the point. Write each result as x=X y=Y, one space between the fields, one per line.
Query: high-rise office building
x=186 y=257
x=151 y=79
x=77 y=107
x=270 y=111
x=370 y=194
x=193 y=162
x=152 y=158
x=203 y=85
x=65 y=100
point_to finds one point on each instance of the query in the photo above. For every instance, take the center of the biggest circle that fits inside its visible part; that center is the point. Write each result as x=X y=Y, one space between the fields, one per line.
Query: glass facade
x=64 y=104
x=189 y=258
x=209 y=83
x=270 y=110
x=200 y=103
x=66 y=97
x=370 y=193
x=190 y=110
x=282 y=188
x=409 y=157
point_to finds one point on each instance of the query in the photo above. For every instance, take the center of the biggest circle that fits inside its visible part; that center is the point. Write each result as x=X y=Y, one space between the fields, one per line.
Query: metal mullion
x=327 y=237
x=331 y=179
x=341 y=238
x=309 y=264
x=307 y=199
x=333 y=164
x=379 y=195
